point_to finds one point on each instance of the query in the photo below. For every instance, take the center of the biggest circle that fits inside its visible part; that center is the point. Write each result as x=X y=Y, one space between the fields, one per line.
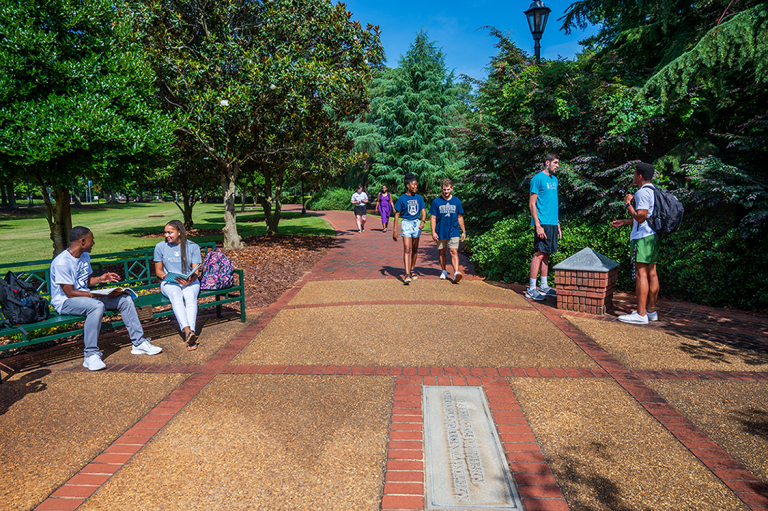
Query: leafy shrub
x=504 y=252
x=332 y=199
x=707 y=261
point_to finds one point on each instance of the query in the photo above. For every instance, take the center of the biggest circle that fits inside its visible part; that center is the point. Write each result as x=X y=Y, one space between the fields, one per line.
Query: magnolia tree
x=76 y=100
x=252 y=83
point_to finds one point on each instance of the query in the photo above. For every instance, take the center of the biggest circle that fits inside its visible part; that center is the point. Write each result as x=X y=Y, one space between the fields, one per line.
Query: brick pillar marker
x=585 y=282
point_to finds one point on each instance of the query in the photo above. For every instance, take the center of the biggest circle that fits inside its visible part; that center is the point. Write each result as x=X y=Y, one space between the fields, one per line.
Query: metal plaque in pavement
x=466 y=466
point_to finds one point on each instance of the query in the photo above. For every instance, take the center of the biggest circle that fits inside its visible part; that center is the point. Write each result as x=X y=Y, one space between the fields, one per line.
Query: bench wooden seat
x=138 y=269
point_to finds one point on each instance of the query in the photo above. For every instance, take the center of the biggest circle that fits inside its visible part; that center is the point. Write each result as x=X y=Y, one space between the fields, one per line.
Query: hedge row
x=705 y=262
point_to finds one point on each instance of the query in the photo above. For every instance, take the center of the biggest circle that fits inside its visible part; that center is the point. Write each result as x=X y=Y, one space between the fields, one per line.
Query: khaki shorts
x=452 y=243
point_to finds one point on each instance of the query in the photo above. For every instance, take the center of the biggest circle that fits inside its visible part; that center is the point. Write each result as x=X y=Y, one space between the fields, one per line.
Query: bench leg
x=242 y=306
x=218 y=307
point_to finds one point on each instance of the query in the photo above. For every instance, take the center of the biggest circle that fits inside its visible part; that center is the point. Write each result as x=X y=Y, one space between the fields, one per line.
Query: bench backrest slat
x=137 y=265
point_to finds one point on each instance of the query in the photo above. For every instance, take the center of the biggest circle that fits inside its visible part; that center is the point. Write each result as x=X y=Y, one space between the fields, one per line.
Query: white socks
x=544 y=282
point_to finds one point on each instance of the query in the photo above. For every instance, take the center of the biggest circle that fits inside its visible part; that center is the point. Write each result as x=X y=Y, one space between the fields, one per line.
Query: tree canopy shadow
x=753 y=421
x=575 y=473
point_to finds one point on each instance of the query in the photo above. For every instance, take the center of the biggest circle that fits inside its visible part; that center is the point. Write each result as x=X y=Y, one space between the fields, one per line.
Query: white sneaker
x=634 y=318
x=653 y=316
x=444 y=275
x=534 y=294
x=146 y=348
x=457 y=277
x=94 y=363
x=547 y=291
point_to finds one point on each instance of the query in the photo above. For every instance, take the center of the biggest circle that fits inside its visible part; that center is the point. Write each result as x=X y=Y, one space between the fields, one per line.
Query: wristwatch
x=627 y=205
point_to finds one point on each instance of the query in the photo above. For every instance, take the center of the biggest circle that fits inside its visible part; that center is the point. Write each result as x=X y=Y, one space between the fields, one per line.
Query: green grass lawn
x=119 y=227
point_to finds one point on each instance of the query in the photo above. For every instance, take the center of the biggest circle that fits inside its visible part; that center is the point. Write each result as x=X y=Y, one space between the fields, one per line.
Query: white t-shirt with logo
x=67 y=269
x=358 y=197
x=644 y=199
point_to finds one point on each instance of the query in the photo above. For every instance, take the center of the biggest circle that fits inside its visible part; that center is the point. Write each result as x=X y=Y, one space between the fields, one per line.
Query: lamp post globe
x=537 y=15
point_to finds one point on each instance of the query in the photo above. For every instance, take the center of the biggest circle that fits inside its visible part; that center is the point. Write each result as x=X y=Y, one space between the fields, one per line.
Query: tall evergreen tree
x=414 y=108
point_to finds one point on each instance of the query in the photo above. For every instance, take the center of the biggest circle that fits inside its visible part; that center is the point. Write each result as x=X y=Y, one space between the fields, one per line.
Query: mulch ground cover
x=274 y=264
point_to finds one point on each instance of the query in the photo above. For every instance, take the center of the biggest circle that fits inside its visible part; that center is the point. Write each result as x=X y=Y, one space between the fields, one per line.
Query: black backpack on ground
x=667 y=211
x=21 y=303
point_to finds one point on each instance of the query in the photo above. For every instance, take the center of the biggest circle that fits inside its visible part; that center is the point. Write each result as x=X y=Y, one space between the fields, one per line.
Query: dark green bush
x=704 y=262
x=332 y=199
x=504 y=252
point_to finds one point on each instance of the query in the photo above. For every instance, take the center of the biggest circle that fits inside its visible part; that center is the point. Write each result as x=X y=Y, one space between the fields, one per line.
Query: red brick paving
x=373 y=254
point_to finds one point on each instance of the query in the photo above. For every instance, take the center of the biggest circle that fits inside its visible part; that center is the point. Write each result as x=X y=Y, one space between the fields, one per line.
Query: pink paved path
x=374 y=255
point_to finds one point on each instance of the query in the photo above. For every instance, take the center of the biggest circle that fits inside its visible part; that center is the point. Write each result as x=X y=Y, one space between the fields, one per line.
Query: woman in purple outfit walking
x=384 y=207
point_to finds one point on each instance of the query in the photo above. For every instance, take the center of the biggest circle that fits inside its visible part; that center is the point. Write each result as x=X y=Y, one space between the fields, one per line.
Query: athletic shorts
x=360 y=210
x=646 y=250
x=411 y=228
x=452 y=243
x=546 y=246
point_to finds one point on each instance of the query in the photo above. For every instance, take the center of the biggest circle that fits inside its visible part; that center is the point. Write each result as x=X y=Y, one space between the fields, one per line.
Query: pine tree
x=414 y=107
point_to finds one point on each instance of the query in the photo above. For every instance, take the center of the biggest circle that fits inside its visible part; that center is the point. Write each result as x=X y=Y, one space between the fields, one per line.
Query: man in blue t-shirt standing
x=447 y=220
x=410 y=207
x=543 y=204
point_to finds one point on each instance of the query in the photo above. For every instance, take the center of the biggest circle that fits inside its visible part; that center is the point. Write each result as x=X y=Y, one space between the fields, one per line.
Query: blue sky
x=455 y=26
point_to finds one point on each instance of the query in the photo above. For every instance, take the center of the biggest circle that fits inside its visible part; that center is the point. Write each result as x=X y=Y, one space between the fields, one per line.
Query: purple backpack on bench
x=218 y=272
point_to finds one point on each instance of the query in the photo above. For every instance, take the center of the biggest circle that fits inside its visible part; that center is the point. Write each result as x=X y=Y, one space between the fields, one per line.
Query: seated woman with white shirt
x=170 y=258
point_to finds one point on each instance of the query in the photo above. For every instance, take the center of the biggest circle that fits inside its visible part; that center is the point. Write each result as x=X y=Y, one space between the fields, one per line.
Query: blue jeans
x=93 y=310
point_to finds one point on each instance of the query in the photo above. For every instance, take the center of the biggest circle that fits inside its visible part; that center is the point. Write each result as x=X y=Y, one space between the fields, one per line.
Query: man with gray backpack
x=655 y=211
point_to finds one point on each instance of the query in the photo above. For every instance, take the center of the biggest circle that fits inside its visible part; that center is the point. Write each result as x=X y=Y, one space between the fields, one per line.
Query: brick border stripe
x=404 y=485
x=455 y=372
x=747 y=487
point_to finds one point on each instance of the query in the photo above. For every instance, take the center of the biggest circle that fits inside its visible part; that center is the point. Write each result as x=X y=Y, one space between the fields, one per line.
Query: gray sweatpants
x=93 y=310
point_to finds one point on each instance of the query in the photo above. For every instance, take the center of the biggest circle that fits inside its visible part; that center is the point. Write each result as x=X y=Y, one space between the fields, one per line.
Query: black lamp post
x=537 y=15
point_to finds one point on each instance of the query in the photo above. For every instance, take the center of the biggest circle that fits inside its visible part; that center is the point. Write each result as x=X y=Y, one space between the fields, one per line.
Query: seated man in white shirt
x=70 y=295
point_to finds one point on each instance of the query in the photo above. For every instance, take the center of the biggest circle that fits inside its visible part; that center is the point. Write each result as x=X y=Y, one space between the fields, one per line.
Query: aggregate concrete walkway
x=316 y=402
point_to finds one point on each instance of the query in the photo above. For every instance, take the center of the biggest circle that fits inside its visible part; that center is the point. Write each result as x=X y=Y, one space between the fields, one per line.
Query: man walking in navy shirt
x=447 y=220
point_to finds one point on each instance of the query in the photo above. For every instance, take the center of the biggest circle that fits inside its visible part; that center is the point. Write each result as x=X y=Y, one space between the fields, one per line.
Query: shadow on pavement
x=753 y=421
x=15 y=390
x=587 y=481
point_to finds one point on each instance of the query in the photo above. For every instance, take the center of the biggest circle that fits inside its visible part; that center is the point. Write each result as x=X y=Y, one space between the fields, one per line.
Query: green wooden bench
x=139 y=274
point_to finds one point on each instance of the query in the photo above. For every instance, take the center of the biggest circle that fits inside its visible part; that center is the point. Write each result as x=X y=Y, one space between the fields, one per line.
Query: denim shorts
x=411 y=228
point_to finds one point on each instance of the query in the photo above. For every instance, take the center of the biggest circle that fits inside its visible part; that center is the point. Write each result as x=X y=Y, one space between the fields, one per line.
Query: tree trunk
x=229 y=174
x=59 y=216
x=186 y=210
x=4 y=195
x=272 y=217
x=11 y=196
